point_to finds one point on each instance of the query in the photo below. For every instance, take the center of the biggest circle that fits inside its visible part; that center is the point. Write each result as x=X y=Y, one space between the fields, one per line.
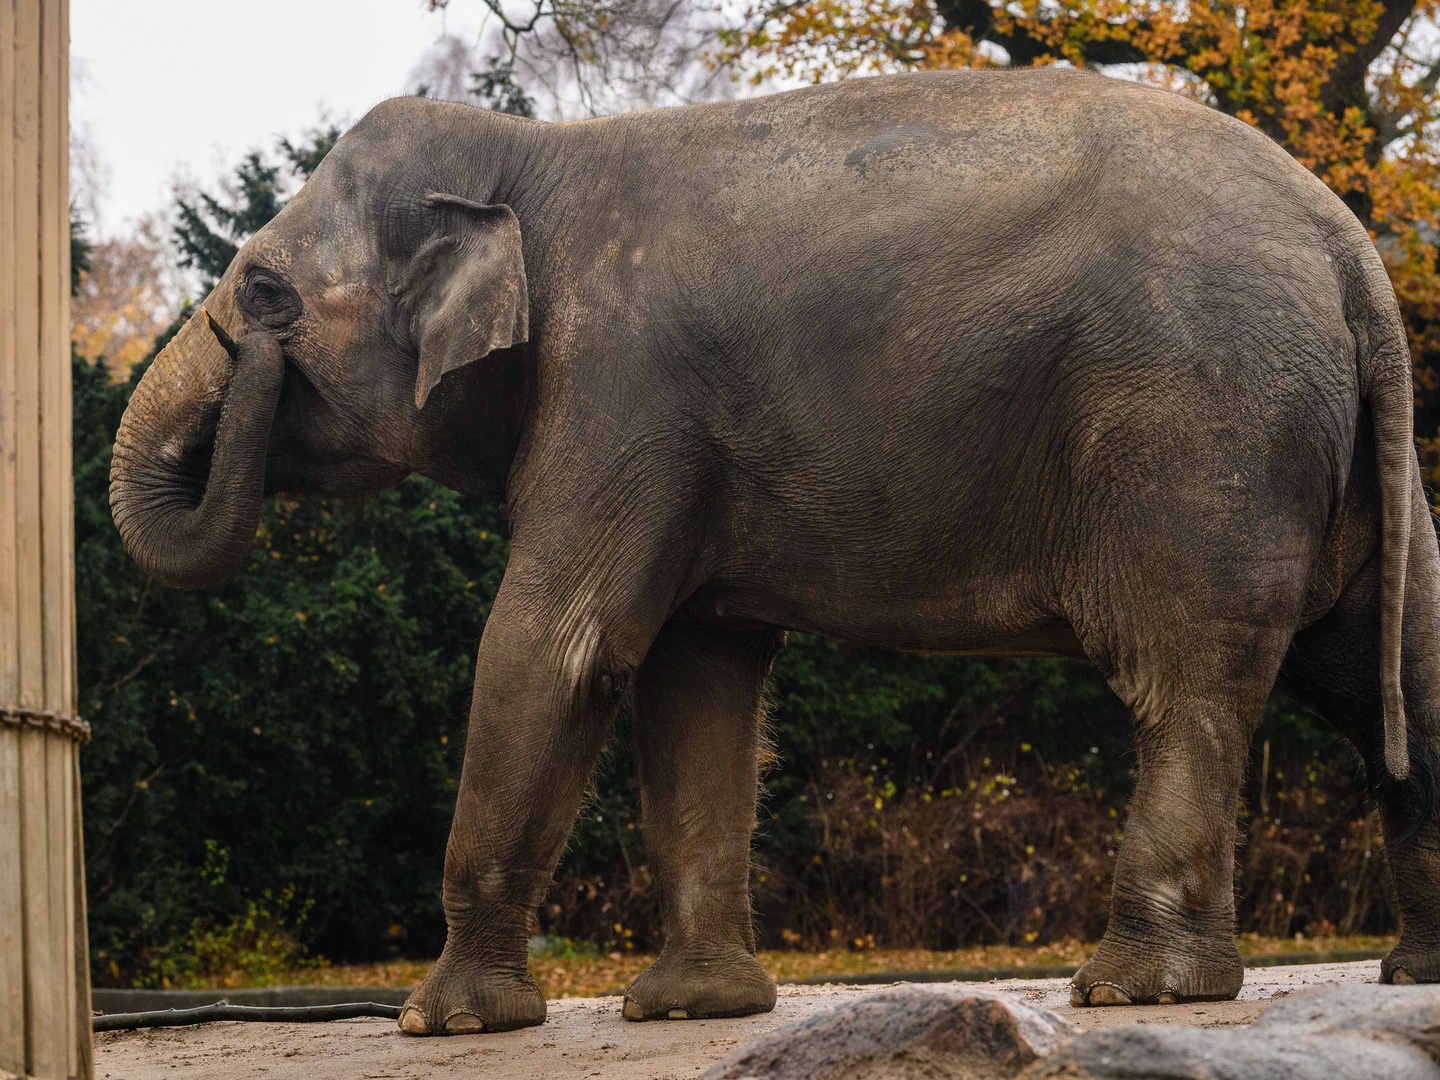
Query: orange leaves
x=1272 y=62
x=120 y=307
x=1067 y=32
x=952 y=49
x=826 y=39
x=1266 y=61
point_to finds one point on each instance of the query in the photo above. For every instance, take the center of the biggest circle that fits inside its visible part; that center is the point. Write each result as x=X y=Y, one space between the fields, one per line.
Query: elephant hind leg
x=1170 y=937
x=1197 y=690
x=1333 y=667
x=697 y=727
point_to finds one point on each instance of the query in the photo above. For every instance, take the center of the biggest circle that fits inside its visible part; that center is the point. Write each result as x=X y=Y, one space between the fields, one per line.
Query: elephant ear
x=465 y=288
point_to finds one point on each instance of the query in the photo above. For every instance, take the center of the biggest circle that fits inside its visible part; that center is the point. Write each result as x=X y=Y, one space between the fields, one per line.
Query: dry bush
x=989 y=860
x=1311 y=859
x=618 y=911
x=1004 y=859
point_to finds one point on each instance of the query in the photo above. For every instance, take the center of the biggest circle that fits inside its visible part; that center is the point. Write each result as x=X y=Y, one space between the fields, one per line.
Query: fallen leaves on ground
x=586 y=976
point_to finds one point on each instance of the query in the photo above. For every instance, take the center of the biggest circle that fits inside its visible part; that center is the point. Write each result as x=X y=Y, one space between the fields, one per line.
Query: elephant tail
x=1385 y=384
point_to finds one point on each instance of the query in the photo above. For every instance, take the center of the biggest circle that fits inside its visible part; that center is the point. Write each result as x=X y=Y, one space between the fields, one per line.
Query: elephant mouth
x=313 y=449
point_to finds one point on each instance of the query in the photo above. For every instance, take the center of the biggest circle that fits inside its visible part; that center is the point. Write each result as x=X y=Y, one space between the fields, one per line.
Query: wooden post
x=44 y=956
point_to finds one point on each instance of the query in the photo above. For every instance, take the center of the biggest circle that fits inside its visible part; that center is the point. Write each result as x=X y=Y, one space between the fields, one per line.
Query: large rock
x=909 y=1033
x=1330 y=1033
x=1155 y=1052
x=1409 y=1015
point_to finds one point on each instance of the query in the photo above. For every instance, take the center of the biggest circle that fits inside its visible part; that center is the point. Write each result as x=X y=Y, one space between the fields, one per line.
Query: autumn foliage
x=118 y=306
x=1346 y=86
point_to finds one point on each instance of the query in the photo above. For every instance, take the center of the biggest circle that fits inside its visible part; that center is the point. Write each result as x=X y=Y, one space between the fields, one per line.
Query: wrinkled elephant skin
x=987 y=363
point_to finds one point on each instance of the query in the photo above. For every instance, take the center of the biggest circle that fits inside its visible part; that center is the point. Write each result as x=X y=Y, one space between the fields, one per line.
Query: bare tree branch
x=594 y=56
x=1347 y=80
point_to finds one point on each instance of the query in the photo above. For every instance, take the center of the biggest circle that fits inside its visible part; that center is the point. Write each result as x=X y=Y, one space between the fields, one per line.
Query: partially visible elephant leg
x=539 y=719
x=1171 y=935
x=1172 y=915
x=1334 y=667
x=697 y=727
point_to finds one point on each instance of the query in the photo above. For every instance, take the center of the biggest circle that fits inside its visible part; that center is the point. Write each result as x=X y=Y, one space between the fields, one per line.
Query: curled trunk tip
x=186 y=530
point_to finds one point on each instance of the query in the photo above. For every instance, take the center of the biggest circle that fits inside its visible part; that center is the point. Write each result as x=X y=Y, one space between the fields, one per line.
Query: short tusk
x=221 y=336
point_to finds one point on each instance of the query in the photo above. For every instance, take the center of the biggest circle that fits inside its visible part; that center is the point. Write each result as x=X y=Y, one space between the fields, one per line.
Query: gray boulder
x=1407 y=1014
x=1157 y=1052
x=1329 y=1033
x=908 y=1033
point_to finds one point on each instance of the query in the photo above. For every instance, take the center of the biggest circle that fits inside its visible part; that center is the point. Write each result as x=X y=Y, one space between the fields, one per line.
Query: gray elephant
x=985 y=363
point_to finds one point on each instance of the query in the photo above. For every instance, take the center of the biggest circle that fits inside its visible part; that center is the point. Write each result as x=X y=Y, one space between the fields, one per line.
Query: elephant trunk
x=186 y=521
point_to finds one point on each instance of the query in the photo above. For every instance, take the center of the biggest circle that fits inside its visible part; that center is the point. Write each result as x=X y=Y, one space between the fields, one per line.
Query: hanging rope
x=63 y=723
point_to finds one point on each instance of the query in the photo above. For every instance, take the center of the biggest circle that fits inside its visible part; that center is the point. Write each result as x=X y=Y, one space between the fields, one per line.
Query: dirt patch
x=586 y=1037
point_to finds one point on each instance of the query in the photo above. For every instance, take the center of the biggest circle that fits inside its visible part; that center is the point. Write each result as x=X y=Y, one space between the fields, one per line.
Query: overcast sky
x=185 y=87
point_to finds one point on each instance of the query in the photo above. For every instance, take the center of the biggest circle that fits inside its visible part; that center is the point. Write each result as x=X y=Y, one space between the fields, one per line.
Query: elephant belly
x=926 y=615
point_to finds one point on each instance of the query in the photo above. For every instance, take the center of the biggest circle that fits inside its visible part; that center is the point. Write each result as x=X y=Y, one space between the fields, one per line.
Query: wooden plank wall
x=44 y=969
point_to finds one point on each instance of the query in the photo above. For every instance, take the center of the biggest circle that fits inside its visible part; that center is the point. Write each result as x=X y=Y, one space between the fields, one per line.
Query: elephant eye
x=269 y=298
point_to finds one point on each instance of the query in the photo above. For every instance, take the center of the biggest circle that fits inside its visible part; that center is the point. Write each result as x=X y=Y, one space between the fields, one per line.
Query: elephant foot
x=1409 y=964
x=691 y=987
x=460 y=999
x=1134 y=973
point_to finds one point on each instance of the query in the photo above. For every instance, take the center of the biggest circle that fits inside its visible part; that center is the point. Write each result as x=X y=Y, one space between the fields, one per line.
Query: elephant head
x=349 y=308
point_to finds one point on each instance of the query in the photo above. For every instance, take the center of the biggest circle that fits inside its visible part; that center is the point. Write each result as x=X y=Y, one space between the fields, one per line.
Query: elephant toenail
x=412 y=1021
x=1401 y=977
x=1167 y=998
x=678 y=1014
x=1077 y=997
x=1105 y=994
x=463 y=1023
x=632 y=1011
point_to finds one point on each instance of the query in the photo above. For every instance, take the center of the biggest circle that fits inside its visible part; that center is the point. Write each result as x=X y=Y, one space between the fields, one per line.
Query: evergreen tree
x=80 y=249
x=212 y=228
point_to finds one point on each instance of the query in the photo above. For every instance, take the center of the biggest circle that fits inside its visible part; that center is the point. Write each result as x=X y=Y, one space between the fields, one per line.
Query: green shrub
x=262 y=944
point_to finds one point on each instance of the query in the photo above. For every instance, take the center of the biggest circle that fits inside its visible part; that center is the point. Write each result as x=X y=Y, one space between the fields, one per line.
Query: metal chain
x=63 y=723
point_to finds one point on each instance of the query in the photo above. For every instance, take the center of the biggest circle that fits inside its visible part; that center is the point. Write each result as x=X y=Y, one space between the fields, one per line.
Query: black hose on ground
x=222 y=1010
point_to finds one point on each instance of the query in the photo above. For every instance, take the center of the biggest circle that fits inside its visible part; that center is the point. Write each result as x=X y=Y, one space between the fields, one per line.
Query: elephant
x=981 y=363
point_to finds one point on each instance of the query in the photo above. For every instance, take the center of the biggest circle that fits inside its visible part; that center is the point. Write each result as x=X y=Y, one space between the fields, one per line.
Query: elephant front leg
x=536 y=729
x=1172 y=918
x=697 y=712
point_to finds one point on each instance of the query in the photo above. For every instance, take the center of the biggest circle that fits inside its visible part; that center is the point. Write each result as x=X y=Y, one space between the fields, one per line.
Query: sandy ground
x=585 y=1037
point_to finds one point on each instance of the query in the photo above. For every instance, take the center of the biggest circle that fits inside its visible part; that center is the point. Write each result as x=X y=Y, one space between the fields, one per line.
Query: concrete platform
x=586 y=1037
